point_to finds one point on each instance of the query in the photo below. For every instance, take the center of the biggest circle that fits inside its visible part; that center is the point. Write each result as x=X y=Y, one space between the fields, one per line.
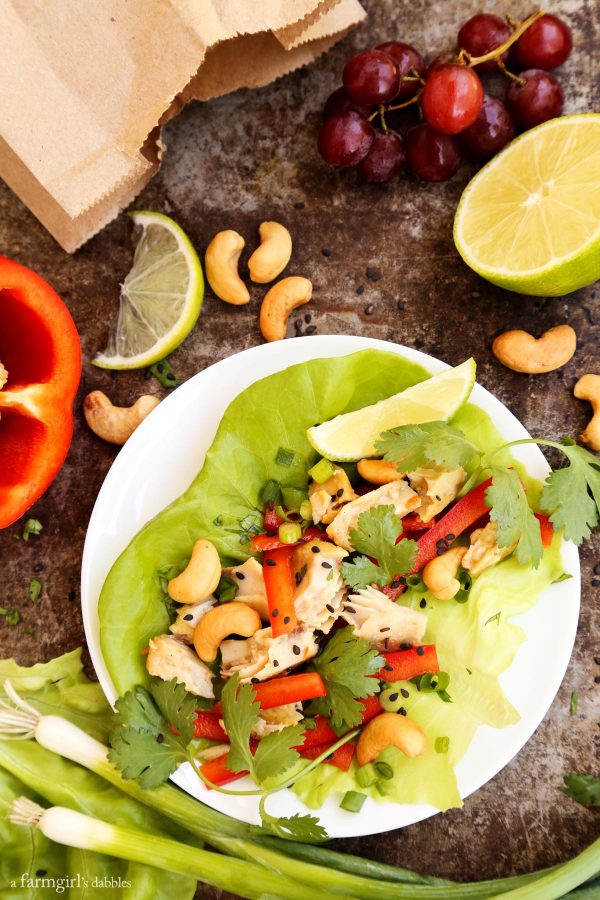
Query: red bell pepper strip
x=40 y=350
x=216 y=769
x=414 y=522
x=546 y=529
x=372 y=708
x=279 y=586
x=322 y=733
x=402 y=665
x=207 y=725
x=342 y=757
x=263 y=542
x=289 y=689
x=271 y=519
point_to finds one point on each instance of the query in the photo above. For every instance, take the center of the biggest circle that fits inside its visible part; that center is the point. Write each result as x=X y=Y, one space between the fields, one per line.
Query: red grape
x=539 y=99
x=372 y=77
x=482 y=33
x=452 y=98
x=346 y=139
x=340 y=102
x=431 y=155
x=443 y=59
x=385 y=160
x=491 y=131
x=407 y=58
x=545 y=45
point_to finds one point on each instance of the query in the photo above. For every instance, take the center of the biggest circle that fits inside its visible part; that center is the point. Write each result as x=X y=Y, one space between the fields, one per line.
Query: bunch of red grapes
x=457 y=117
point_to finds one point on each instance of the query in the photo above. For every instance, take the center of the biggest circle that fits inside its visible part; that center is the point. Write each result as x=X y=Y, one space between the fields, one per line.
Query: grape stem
x=500 y=50
x=520 y=81
x=414 y=99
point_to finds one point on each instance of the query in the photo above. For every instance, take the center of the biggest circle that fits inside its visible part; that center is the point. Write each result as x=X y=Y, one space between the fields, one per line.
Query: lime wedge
x=530 y=219
x=161 y=296
x=352 y=436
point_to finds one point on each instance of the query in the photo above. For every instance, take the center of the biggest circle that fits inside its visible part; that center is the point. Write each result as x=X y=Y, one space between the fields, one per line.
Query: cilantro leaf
x=177 y=706
x=572 y=494
x=275 y=753
x=136 y=709
x=376 y=535
x=513 y=516
x=345 y=666
x=413 y=446
x=240 y=715
x=148 y=756
x=296 y=828
x=584 y=789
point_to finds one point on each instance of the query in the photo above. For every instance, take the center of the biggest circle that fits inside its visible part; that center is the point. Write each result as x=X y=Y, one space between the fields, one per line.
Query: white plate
x=153 y=469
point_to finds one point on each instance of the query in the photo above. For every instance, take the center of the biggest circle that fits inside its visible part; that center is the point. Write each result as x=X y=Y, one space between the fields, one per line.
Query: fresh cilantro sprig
x=584 y=789
x=572 y=494
x=345 y=665
x=375 y=536
x=514 y=518
x=411 y=446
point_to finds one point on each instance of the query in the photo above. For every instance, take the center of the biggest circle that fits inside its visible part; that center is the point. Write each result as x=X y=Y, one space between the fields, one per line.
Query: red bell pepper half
x=263 y=542
x=402 y=665
x=289 y=689
x=279 y=586
x=40 y=350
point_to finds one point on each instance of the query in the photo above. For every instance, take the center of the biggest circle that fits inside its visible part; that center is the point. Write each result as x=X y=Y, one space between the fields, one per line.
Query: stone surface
x=248 y=157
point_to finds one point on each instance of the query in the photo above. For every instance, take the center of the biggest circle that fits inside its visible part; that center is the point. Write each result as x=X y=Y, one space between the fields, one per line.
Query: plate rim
x=312 y=347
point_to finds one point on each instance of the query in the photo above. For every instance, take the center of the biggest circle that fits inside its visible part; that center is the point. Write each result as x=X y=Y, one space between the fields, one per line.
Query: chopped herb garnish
x=321 y=471
x=163 y=372
x=375 y=536
x=164 y=575
x=31 y=526
x=35 y=590
x=11 y=616
x=583 y=788
x=434 y=682
x=352 y=801
x=285 y=457
x=442 y=744
x=564 y=577
x=346 y=666
x=271 y=493
x=574 y=703
x=495 y=618
x=226 y=589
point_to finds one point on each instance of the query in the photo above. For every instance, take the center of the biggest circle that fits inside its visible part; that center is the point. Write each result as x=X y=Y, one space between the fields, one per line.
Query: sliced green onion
x=391 y=699
x=415 y=582
x=31 y=526
x=442 y=744
x=292 y=497
x=35 y=590
x=290 y=532
x=163 y=372
x=384 y=770
x=466 y=583
x=366 y=775
x=574 y=703
x=271 y=493
x=321 y=471
x=352 y=801
x=384 y=787
x=285 y=457
x=306 y=510
x=432 y=682
x=11 y=616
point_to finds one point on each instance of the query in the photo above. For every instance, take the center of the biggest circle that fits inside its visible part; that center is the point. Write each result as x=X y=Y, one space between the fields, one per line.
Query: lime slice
x=352 y=436
x=530 y=219
x=161 y=296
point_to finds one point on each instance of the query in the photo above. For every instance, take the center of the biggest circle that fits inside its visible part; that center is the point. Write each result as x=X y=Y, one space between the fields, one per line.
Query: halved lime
x=352 y=436
x=530 y=219
x=161 y=296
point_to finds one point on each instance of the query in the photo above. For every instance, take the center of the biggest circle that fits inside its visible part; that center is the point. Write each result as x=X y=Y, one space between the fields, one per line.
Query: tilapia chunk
x=316 y=566
x=169 y=658
x=262 y=656
x=383 y=622
x=397 y=494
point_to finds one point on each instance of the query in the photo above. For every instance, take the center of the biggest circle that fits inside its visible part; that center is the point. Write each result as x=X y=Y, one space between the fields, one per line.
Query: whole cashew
x=200 y=577
x=221 y=262
x=279 y=301
x=521 y=352
x=389 y=730
x=439 y=575
x=221 y=621
x=378 y=471
x=116 y=423
x=588 y=388
x=270 y=259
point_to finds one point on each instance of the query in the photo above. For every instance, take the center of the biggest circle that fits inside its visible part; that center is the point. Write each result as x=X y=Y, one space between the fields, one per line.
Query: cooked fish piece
x=382 y=622
x=320 y=590
x=397 y=494
x=437 y=487
x=327 y=498
x=484 y=551
x=188 y=617
x=169 y=658
x=262 y=656
x=251 y=586
x=277 y=719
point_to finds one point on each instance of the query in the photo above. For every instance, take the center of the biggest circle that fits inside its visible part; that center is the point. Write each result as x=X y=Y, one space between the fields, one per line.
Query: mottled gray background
x=251 y=156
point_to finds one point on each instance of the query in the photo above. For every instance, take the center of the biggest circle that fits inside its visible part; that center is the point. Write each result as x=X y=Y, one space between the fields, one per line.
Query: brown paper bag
x=85 y=86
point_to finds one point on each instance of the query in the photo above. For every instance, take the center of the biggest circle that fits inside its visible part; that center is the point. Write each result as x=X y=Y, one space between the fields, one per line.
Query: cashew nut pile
x=116 y=423
x=521 y=352
x=266 y=263
x=588 y=388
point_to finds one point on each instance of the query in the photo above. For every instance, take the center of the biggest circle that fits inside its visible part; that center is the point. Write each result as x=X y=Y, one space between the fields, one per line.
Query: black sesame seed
x=334 y=659
x=597 y=569
x=296 y=650
x=597 y=679
x=420 y=651
x=402 y=580
x=330 y=756
x=595 y=582
x=274 y=613
x=240 y=575
x=349 y=609
x=597 y=660
x=404 y=693
x=41 y=872
x=71 y=595
x=312 y=329
x=270 y=562
x=373 y=274
x=340 y=492
x=308 y=318
x=369 y=310
x=315 y=549
x=330 y=607
x=383 y=630
x=326 y=565
x=401 y=305
x=188 y=618
x=160 y=738
x=299 y=205
x=423 y=603
x=326 y=252
x=276 y=663
x=39 y=567
x=437 y=497
x=450 y=537
x=395 y=584
x=388 y=668
x=393 y=697
x=360 y=289
x=254 y=680
x=441 y=550
x=286 y=620
x=160 y=368
x=406 y=646
x=298 y=323
x=386 y=643
x=402 y=711
x=440 y=543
